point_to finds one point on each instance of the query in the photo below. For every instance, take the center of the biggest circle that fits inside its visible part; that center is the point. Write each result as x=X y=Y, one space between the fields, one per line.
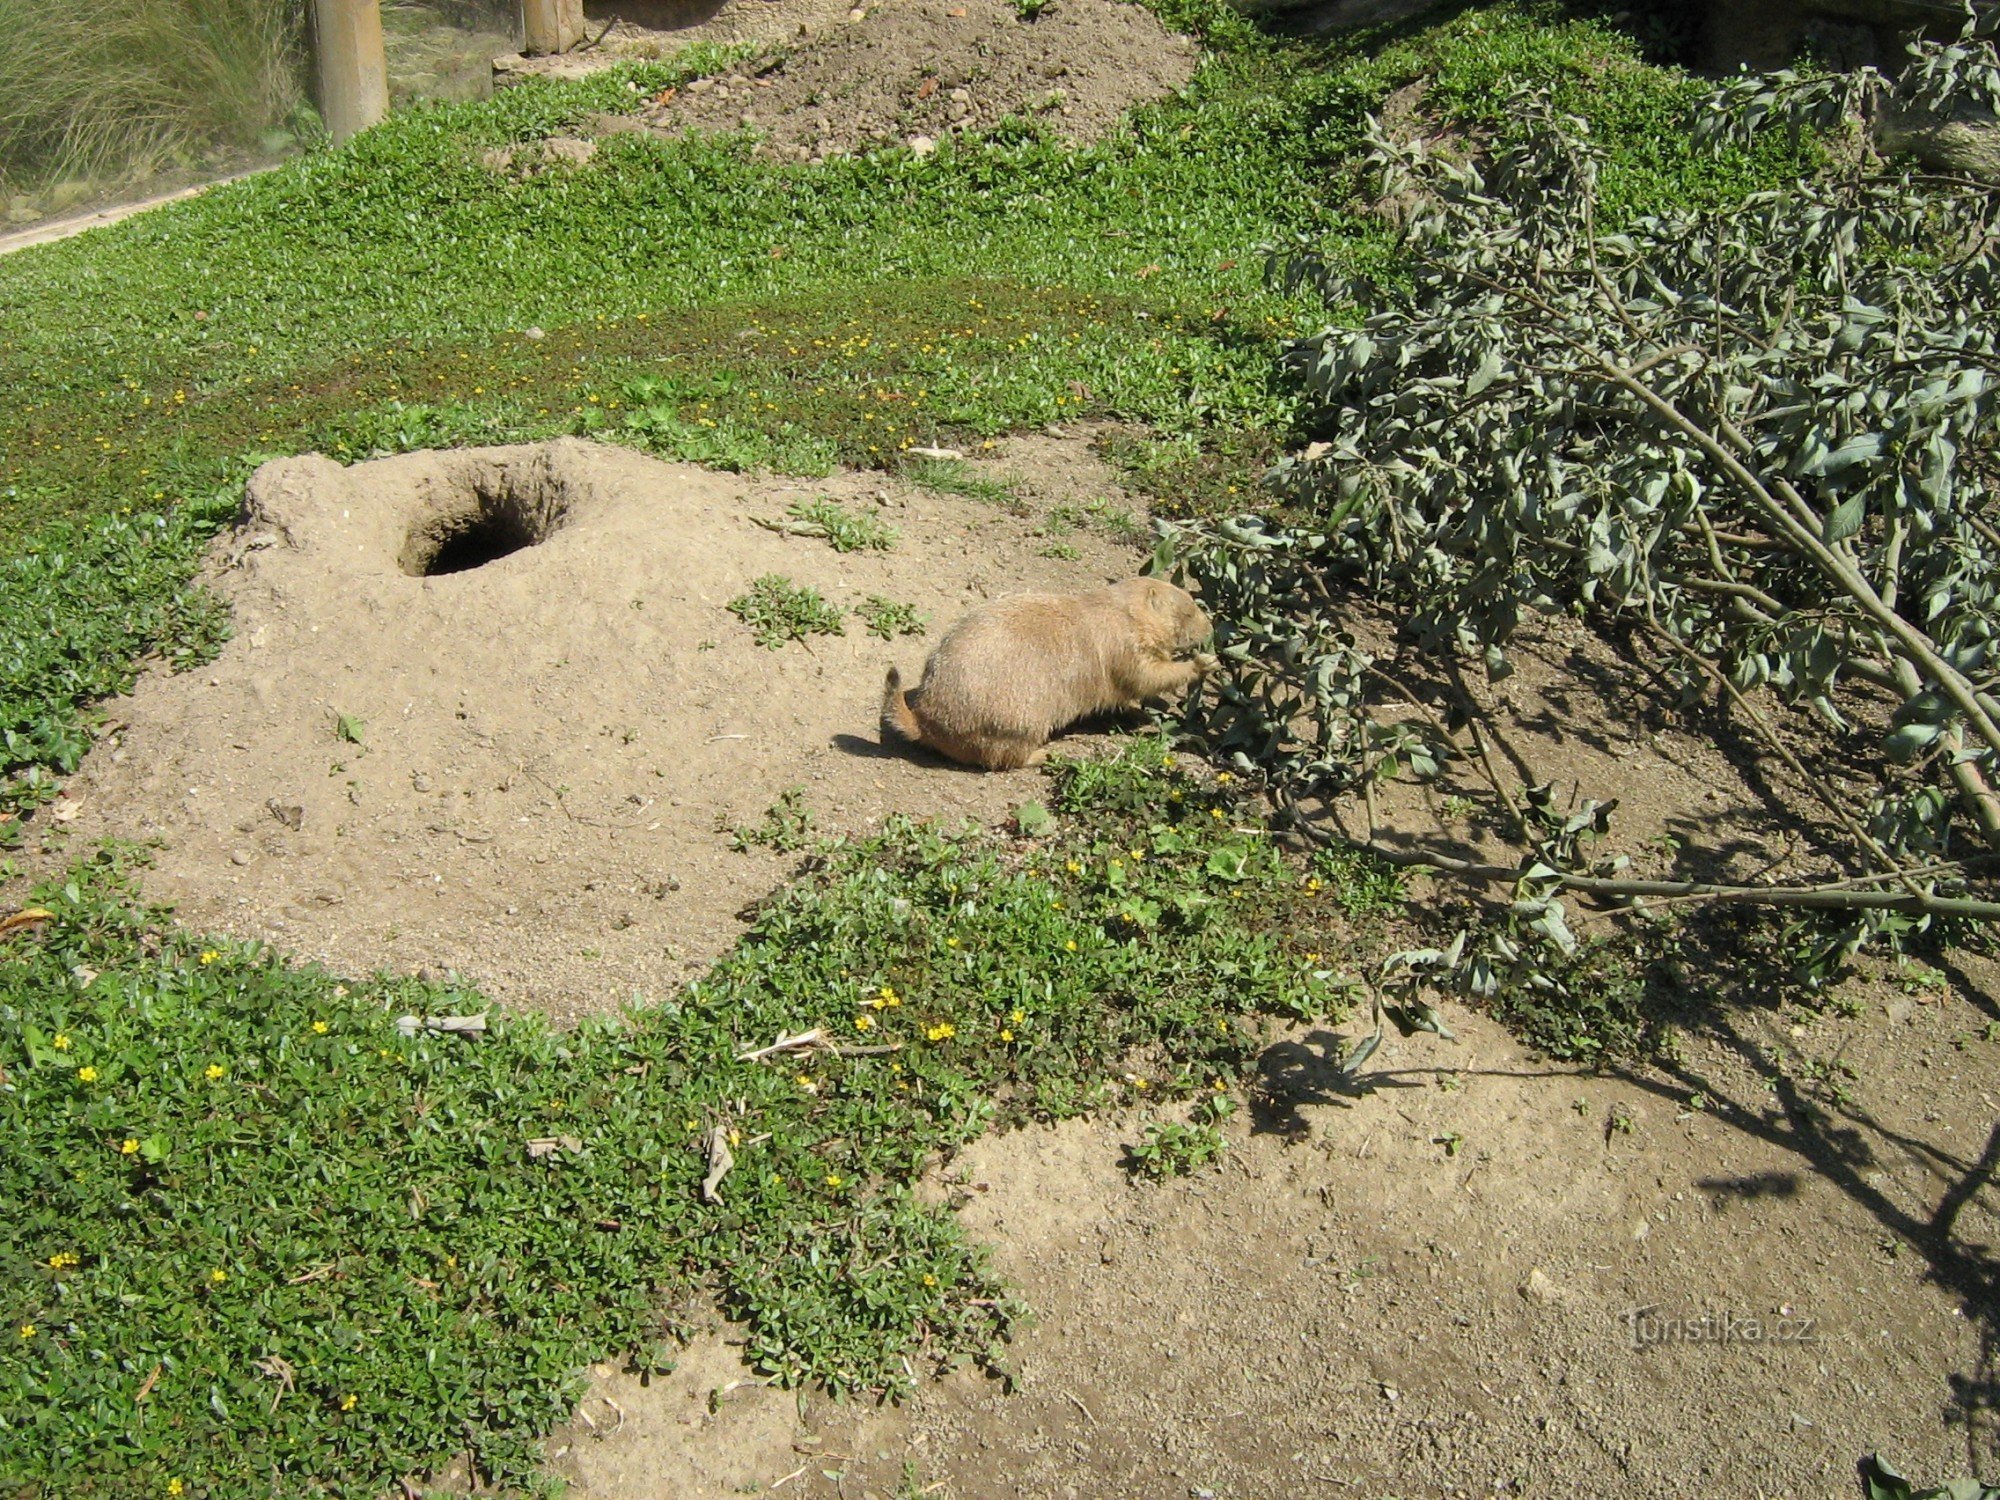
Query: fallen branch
x=816 y=1040
x=1839 y=895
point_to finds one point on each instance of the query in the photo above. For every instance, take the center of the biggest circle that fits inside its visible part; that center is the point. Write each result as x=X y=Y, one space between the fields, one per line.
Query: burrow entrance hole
x=466 y=526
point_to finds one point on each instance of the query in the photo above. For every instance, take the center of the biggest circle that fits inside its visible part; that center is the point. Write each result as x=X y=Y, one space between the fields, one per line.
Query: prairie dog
x=1013 y=672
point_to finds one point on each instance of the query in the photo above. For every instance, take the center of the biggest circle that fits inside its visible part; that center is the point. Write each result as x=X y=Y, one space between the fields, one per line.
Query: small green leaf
x=1846 y=518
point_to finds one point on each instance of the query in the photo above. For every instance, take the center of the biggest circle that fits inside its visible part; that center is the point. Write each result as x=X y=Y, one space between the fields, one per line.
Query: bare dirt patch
x=913 y=72
x=1472 y=1281
x=917 y=71
x=488 y=711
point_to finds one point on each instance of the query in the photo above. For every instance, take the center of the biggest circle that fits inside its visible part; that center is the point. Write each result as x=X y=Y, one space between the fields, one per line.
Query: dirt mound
x=488 y=711
x=917 y=71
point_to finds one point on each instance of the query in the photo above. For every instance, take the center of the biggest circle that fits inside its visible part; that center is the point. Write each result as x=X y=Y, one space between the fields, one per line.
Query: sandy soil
x=1350 y=1306
x=917 y=71
x=910 y=72
x=1470 y=1277
x=553 y=746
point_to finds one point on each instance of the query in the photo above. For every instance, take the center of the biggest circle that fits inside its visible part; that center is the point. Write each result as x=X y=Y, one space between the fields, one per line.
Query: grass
x=258 y=1236
x=399 y=1275
x=890 y=618
x=696 y=303
x=842 y=529
x=82 y=608
x=779 y=611
x=117 y=86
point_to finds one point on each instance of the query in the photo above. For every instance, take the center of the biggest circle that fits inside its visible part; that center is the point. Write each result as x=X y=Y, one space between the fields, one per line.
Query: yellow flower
x=1006 y=1035
x=1017 y=1016
x=951 y=942
x=834 y=1179
x=347 y=1402
x=809 y=1083
x=1116 y=865
x=1223 y=778
x=27 y=1330
x=1074 y=868
x=87 y=1074
x=886 y=996
x=862 y=1023
x=175 y=1487
x=944 y=1031
x=61 y=1042
x=129 y=1146
x=209 y=956
x=1137 y=854
x=63 y=1258
x=1215 y=813
x=212 y=1072
x=735 y=1137
x=1070 y=945
x=929 y=1280
x=319 y=1028
x=217 y=1276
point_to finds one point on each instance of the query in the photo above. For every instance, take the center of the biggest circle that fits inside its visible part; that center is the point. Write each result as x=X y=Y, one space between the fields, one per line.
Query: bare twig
x=1835 y=896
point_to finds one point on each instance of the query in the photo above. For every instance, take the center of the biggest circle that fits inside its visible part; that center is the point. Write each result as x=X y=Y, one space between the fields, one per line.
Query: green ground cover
x=256 y=1232
x=268 y=1233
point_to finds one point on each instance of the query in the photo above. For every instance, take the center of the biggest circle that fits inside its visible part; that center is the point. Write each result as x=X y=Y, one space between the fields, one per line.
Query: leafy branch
x=1763 y=437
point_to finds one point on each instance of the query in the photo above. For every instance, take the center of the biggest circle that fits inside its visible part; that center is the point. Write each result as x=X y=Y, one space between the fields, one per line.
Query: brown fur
x=1011 y=673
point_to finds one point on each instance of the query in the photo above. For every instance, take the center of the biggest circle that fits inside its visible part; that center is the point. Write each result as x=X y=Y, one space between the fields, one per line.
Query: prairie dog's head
x=1167 y=613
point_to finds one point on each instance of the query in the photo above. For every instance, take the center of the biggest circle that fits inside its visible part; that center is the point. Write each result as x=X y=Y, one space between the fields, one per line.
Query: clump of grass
x=778 y=610
x=889 y=618
x=120 y=85
x=79 y=608
x=843 y=530
x=954 y=476
x=259 y=1241
x=787 y=826
x=1172 y=1148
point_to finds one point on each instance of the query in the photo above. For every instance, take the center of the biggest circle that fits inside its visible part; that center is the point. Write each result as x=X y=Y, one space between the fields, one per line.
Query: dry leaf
x=719 y=1163
x=22 y=920
x=927 y=88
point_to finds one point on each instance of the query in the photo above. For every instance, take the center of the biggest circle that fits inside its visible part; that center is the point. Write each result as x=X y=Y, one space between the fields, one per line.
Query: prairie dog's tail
x=898 y=723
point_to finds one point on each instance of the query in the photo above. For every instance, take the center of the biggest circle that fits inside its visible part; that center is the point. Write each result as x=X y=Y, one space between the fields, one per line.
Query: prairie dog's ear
x=1160 y=597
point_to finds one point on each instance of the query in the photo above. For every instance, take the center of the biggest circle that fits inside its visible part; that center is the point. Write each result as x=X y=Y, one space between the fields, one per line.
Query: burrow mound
x=488 y=710
x=917 y=71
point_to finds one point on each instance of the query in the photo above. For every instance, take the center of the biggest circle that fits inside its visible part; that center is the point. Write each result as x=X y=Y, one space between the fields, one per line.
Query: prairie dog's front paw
x=1204 y=662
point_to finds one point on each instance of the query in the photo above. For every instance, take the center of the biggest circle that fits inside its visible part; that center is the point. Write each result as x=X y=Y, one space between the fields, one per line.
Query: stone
x=1968 y=144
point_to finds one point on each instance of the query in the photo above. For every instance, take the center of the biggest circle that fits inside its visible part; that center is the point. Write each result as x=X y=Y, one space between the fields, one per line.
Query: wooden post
x=551 y=25
x=353 y=69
